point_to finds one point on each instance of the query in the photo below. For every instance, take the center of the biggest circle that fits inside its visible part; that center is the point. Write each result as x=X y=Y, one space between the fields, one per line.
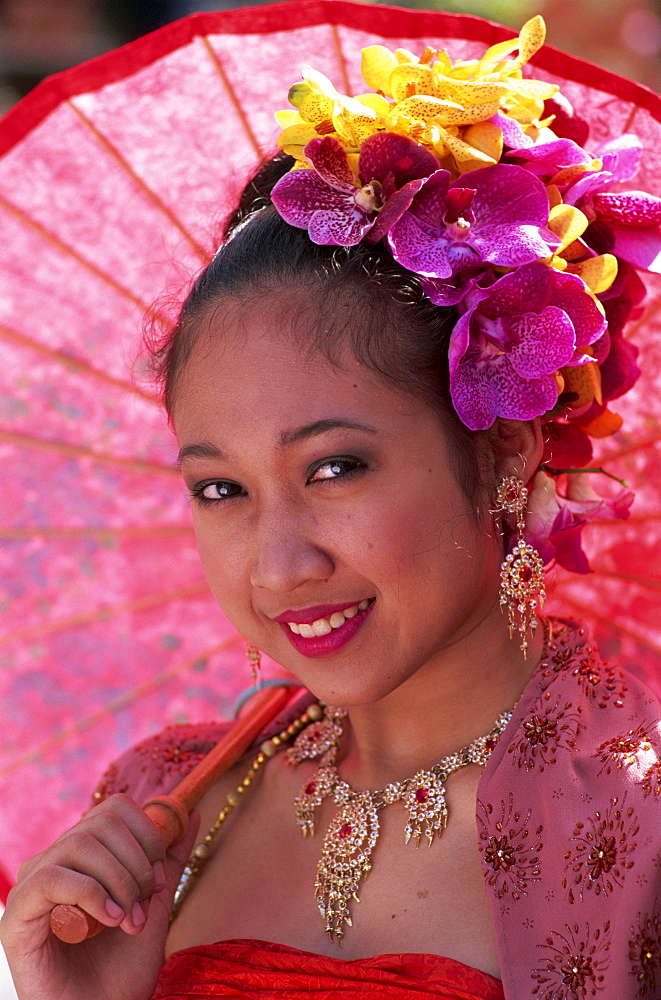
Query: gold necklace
x=352 y=834
x=346 y=853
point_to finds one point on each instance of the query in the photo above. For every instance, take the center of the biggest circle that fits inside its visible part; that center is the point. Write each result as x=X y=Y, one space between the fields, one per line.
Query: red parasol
x=114 y=179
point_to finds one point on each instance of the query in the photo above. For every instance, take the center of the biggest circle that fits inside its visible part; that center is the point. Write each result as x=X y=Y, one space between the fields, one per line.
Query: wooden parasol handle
x=169 y=813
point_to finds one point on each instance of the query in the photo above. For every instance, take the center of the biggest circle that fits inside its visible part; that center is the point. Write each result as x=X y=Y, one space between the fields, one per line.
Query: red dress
x=263 y=971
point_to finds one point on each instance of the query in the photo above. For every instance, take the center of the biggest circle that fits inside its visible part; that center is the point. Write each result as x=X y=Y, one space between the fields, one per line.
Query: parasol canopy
x=115 y=178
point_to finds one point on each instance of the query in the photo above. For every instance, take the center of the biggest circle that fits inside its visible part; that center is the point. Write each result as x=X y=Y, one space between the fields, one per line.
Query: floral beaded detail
x=602 y=851
x=550 y=728
x=175 y=751
x=645 y=954
x=575 y=961
x=626 y=750
x=570 y=651
x=510 y=849
x=474 y=179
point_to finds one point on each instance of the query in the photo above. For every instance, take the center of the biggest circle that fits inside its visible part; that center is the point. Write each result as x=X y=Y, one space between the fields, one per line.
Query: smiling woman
x=409 y=303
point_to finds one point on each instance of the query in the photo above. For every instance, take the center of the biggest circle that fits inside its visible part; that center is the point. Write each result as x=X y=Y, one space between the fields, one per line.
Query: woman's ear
x=517 y=447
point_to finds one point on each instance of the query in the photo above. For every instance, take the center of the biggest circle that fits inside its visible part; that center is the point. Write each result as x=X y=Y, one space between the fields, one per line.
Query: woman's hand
x=113 y=865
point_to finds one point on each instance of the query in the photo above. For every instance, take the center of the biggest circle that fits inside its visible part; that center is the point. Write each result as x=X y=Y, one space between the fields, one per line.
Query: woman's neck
x=449 y=702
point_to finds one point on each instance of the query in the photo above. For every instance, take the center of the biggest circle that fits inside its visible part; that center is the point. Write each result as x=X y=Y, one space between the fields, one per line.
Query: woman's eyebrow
x=207 y=450
x=322 y=427
x=203 y=450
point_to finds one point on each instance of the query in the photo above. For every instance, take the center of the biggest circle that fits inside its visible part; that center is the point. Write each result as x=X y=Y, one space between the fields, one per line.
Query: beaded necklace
x=202 y=851
x=346 y=854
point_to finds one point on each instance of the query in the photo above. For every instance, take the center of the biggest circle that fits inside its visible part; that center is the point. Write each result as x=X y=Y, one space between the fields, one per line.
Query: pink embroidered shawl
x=568 y=826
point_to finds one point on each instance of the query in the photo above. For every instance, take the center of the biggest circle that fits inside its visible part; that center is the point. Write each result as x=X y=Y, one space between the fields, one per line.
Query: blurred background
x=40 y=37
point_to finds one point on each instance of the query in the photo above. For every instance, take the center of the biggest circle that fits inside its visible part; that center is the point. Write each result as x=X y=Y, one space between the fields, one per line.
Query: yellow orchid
x=446 y=107
x=569 y=223
x=321 y=110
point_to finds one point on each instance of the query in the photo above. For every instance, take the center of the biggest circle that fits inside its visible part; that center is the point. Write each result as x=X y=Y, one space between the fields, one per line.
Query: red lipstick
x=308 y=615
x=323 y=645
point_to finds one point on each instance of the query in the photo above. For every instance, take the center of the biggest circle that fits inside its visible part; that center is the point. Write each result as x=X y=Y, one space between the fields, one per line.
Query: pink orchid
x=546 y=158
x=496 y=215
x=336 y=211
x=626 y=223
x=554 y=522
x=512 y=338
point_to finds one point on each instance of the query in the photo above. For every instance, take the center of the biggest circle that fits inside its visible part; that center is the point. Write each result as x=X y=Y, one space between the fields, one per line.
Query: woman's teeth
x=323 y=626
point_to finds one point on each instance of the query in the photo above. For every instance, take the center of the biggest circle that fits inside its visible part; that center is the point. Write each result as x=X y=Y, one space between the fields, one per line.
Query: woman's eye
x=216 y=491
x=336 y=468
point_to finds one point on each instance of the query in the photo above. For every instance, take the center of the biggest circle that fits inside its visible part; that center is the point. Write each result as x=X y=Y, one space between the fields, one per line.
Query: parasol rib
x=116 y=705
x=142 y=185
x=612 y=626
x=136 y=464
x=236 y=104
x=50 y=237
x=158 y=531
x=630 y=120
x=102 y=614
x=337 y=45
x=631 y=449
x=75 y=364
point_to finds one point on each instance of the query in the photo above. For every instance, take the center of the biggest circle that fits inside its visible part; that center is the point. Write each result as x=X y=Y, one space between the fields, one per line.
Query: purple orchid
x=495 y=215
x=335 y=210
x=627 y=223
x=619 y=157
x=513 y=134
x=513 y=337
x=451 y=291
x=545 y=159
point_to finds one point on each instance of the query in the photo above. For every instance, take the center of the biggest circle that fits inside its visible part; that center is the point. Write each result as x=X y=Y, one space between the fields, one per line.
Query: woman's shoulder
x=155 y=765
x=585 y=729
x=573 y=661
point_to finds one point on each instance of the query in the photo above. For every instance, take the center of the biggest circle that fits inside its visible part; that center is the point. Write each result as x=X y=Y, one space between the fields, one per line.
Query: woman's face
x=315 y=490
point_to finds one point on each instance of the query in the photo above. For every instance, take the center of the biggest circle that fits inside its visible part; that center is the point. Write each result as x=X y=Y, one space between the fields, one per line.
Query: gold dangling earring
x=522 y=589
x=255 y=661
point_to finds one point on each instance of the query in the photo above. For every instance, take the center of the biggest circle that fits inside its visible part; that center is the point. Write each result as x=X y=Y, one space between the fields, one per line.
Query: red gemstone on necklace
x=489 y=745
x=526 y=574
x=421 y=794
x=345 y=830
x=311 y=788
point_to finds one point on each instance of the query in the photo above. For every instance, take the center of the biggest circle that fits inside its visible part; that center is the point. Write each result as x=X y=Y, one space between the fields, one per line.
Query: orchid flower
x=497 y=215
x=512 y=339
x=554 y=522
x=336 y=209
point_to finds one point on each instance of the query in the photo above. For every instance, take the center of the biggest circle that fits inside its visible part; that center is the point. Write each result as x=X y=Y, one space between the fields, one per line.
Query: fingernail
x=138 y=917
x=113 y=910
x=159 y=875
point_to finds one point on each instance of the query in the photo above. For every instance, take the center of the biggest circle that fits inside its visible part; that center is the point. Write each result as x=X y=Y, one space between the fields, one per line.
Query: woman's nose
x=287 y=556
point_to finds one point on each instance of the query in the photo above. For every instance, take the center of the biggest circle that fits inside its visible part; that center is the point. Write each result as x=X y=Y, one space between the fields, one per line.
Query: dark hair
x=357 y=296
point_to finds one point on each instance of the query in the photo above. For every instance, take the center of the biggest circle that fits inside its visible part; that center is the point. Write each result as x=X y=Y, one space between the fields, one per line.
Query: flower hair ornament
x=483 y=182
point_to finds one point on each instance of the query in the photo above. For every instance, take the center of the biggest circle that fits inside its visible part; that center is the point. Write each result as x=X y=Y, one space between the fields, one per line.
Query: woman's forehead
x=263 y=383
